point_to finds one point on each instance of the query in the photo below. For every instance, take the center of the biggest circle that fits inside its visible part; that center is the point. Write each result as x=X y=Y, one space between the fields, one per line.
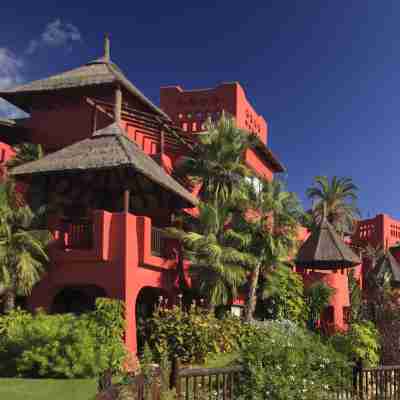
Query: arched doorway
x=77 y=299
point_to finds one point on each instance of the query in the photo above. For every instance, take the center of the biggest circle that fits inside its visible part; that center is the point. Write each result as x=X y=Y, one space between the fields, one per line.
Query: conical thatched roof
x=98 y=72
x=389 y=264
x=108 y=148
x=324 y=249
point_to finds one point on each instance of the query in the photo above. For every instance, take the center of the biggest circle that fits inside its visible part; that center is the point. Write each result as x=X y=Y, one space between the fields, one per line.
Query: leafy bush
x=191 y=335
x=362 y=341
x=284 y=362
x=62 y=346
x=282 y=296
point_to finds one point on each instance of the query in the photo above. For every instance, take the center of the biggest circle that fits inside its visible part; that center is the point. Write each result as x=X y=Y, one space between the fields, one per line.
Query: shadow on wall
x=77 y=299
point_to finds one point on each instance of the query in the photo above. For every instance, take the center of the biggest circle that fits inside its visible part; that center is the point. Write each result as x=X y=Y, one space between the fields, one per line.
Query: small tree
x=317 y=297
x=217 y=265
x=22 y=247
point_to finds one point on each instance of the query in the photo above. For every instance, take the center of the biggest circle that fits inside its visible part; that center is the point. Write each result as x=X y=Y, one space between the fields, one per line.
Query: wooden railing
x=381 y=383
x=77 y=233
x=206 y=383
x=136 y=387
x=157 y=242
x=353 y=383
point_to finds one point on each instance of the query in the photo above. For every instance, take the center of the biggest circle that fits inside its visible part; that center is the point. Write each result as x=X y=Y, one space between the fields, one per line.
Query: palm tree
x=218 y=160
x=218 y=267
x=32 y=194
x=339 y=197
x=271 y=234
x=22 y=247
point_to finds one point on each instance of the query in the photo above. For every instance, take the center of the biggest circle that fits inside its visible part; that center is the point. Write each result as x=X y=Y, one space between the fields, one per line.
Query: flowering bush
x=191 y=335
x=284 y=362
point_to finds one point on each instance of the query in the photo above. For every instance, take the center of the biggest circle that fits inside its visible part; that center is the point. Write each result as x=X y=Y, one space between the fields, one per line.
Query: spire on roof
x=107 y=47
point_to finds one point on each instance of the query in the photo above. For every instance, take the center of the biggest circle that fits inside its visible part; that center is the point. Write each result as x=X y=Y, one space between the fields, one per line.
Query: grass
x=47 y=389
x=75 y=389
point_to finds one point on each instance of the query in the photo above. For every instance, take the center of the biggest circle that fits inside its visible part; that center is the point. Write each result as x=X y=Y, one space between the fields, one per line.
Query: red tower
x=189 y=109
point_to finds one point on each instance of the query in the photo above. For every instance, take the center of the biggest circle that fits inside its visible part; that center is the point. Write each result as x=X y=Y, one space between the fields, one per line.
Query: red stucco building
x=107 y=174
x=107 y=171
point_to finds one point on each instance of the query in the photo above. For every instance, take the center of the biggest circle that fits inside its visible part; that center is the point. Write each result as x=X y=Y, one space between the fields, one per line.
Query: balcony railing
x=157 y=242
x=78 y=234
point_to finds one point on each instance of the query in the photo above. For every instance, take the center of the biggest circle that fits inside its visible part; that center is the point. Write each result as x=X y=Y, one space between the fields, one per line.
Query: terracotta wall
x=121 y=267
x=340 y=300
x=190 y=108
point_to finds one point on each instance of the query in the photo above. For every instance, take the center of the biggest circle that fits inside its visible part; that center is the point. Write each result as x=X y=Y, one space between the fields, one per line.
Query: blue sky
x=325 y=74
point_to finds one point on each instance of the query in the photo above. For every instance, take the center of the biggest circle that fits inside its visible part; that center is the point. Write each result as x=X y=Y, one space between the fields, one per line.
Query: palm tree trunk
x=9 y=301
x=252 y=297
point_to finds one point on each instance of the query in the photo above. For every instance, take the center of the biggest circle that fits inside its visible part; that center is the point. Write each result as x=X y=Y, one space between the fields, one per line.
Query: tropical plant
x=25 y=152
x=217 y=266
x=22 y=247
x=362 y=341
x=269 y=233
x=191 y=334
x=338 y=197
x=355 y=298
x=217 y=161
x=317 y=297
x=33 y=193
x=281 y=296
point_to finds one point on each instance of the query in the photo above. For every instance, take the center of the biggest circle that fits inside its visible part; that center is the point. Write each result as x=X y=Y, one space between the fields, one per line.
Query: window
x=346 y=314
x=194 y=126
x=185 y=126
x=180 y=115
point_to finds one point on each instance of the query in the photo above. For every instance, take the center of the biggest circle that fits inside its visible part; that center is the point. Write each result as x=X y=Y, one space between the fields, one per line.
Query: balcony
x=86 y=239
x=77 y=233
x=158 y=242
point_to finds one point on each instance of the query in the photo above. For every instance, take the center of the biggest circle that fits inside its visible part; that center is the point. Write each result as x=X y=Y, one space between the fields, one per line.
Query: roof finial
x=107 y=47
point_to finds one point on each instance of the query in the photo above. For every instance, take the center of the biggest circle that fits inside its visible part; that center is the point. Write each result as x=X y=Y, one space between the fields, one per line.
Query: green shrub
x=191 y=335
x=285 y=362
x=362 y=341
x=62 y=346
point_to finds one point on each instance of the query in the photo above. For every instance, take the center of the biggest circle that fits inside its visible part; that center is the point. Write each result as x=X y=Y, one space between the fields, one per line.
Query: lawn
x=47 y=389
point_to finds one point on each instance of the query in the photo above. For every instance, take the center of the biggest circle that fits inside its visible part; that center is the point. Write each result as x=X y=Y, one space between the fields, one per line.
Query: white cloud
x=10 y=75
x=10 y=67
x=55 y=34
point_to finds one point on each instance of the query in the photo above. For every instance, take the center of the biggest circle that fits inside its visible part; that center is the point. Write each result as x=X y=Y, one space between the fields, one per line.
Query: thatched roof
x=389 y=264
x=98 y=72
x=108 y=148
x=324 y=249
x=7 y=122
